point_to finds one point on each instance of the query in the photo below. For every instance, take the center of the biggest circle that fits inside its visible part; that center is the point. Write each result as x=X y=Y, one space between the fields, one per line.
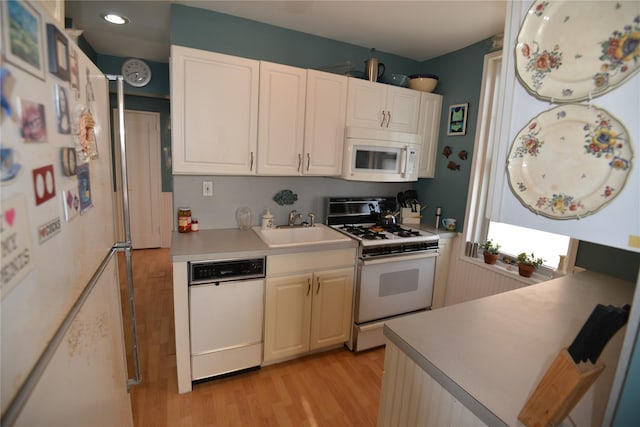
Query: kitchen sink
x=300 y=236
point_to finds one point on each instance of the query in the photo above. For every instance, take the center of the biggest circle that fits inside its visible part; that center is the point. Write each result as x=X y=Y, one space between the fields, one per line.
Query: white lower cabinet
x=307 y=311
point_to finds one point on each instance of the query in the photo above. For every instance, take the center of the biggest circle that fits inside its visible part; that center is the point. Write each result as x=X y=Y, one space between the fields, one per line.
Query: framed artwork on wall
x=457 y=121
x=58 y=48
x=22 y=35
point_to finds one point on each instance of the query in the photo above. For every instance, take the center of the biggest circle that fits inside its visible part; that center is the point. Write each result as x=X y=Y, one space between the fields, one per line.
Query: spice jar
x=195 y=226
x=184 y=220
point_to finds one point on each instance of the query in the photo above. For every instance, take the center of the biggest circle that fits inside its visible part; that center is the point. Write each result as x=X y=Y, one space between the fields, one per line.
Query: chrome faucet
x=293 y=216
x=312 y=220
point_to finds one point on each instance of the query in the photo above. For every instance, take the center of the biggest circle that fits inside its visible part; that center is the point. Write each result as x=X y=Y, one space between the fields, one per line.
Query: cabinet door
x=365 y=103
x=442 y=273
x=403 y=108
x=324 y=123
x=429 y=129
x=376 y=105
x=214 y=112
x=287 y=316
x=281 y=119
x=331 y=311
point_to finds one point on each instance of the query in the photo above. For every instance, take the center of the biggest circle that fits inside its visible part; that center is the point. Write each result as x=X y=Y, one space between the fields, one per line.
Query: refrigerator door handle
x=126 y=245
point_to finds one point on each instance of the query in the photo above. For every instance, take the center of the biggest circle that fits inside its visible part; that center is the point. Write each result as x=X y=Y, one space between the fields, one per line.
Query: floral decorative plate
x=568 y=52
x=569 y=161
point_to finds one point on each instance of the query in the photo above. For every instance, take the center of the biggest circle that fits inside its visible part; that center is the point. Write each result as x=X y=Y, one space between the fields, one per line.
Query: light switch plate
x=207 y=188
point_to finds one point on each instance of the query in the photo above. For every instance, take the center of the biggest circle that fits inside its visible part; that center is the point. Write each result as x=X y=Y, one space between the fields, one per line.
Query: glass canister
x=184 y=219
x=244 y=217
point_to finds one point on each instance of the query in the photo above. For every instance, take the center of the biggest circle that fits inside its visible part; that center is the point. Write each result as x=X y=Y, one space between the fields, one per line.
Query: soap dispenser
x=267 y=219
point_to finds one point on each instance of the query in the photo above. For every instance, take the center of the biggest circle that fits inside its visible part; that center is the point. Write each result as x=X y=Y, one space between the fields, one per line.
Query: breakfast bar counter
x=477 y=363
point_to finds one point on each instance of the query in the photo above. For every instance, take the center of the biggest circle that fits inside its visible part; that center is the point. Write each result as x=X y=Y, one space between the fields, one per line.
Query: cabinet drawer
x=310 y=261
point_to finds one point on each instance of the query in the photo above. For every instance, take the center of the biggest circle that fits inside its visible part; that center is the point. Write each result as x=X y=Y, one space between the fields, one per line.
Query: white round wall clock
x=136 y=72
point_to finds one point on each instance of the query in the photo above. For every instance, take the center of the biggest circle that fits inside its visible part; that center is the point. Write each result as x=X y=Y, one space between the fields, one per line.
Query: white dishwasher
x=226 y=300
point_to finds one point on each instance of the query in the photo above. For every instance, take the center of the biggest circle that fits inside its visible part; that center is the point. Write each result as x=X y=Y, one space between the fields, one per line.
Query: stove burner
x=368 y=233
x=401 y=232
x=377 y=232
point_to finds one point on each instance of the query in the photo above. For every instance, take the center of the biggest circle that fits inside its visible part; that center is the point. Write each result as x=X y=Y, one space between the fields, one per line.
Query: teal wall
x=628 y=413
x=157 y=87
x=152 y=97
x=610 y=261
x=460 y=74
x=218 y=32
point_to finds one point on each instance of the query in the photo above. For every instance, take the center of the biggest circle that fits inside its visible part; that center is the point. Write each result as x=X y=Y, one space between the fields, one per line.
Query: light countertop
x=212 y=244
x=490 y=353
x=233 y=243
x=444 y=234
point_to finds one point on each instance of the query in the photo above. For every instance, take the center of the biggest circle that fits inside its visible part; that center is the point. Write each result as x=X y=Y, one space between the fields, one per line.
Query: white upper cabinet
x=281 y=119
x=214 y=112
x=429 y=129
x=324 y=123
x=236 y=116
x=377 y=105
x=301 y=121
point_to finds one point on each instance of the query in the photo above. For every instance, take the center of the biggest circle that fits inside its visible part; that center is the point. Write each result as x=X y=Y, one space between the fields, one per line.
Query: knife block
x=562 y=386
x=409 y=217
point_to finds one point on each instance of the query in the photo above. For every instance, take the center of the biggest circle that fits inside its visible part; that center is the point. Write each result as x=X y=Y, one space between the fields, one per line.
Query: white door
x=142 y=137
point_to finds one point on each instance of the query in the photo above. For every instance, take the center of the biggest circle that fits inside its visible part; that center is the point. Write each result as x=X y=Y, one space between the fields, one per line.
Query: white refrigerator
x=62 y=349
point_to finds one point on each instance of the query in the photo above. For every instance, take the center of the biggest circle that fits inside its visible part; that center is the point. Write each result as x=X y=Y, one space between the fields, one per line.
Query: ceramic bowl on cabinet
x=423 y=82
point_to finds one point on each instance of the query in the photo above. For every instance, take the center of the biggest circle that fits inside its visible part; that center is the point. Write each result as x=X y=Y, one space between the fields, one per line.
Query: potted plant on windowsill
x=528 y=263
x=490 y=251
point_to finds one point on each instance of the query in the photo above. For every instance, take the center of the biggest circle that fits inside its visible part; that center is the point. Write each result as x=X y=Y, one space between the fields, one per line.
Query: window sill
x=508 y=270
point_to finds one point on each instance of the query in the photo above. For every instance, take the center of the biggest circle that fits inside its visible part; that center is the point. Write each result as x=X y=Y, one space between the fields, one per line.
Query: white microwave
x=380 y=156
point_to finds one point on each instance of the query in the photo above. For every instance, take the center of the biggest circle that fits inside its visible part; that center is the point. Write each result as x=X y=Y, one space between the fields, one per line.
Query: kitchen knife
x=401 y=200
x=578 y=348
x=601 y=325
x=614 y=319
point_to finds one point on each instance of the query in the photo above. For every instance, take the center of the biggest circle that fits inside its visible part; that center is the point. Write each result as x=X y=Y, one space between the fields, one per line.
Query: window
x=514 y=239
x=479 y=228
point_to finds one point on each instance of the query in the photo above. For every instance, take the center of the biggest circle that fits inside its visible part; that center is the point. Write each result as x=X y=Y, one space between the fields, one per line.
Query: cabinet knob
x=299 y=161
x=384 y=116
x=318 y=288
x=388 y=118
x=308 y=161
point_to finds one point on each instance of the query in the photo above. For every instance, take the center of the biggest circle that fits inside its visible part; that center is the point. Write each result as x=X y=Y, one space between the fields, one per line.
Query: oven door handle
x=397 y=258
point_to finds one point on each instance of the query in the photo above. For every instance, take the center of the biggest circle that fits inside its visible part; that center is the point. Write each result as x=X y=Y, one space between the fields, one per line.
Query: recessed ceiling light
x=115 y=19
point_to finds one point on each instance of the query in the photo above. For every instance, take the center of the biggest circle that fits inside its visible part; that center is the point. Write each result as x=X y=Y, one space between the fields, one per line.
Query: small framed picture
x=33 y=127
x=74 y=76
x=22 y=33
x=62 y=109
x=457 y=124
x=58 y=48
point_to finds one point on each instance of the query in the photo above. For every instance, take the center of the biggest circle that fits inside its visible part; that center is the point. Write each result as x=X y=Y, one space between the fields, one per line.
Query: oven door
x=395 y=285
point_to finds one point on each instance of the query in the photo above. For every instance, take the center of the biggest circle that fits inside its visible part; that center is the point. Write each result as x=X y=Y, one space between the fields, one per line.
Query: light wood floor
x=335 y=388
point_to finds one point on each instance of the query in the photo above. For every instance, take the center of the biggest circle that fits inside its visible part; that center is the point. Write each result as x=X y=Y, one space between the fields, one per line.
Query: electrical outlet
x=207 y=188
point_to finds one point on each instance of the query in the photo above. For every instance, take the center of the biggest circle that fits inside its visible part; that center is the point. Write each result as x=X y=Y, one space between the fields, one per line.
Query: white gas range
x=396 y=265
